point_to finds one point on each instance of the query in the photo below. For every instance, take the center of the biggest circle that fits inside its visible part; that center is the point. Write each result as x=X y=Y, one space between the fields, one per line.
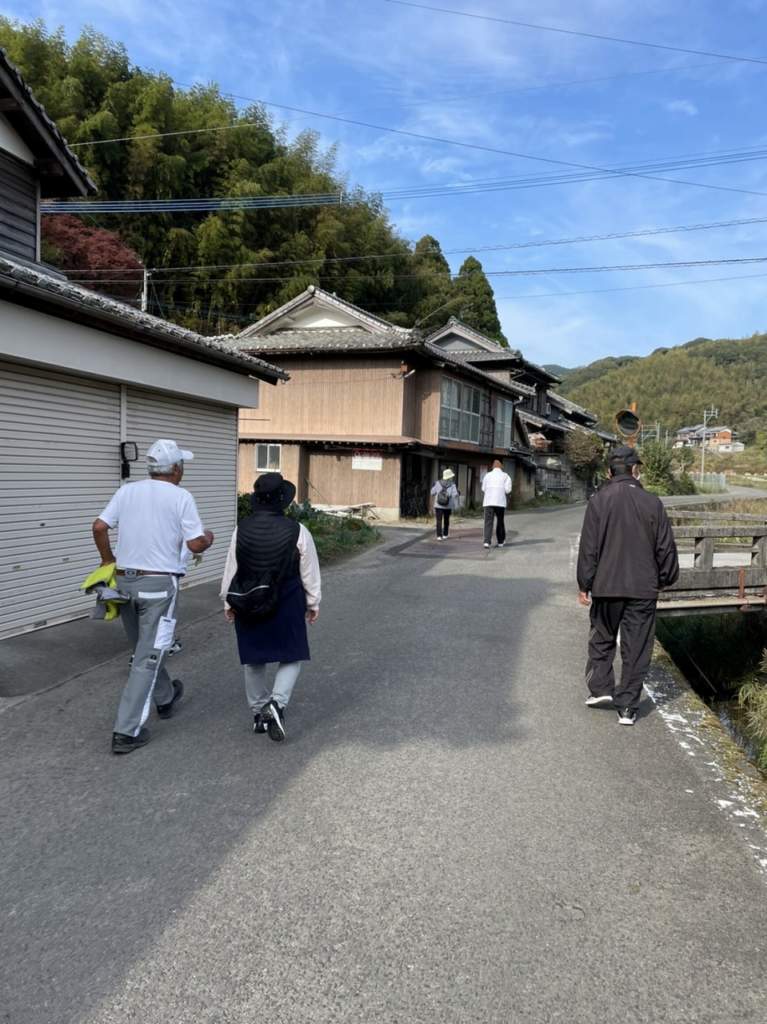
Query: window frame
x=268 y=445
x=460 y=411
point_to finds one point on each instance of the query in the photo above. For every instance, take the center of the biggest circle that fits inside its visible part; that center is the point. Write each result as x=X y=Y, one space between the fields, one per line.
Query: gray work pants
x=258 y=692
x=151 y=597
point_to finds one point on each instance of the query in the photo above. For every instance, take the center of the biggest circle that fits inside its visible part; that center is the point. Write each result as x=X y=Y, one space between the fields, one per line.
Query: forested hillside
x=248 y=262
x=675 y=385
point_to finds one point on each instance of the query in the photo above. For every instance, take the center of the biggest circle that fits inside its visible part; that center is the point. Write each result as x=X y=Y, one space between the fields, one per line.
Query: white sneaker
x=598 y=702
x=486 y=545
x=502 y=544
x=440 y=538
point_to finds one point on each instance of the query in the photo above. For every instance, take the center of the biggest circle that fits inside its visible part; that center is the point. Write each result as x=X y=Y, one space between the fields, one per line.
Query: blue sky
x=501 y=86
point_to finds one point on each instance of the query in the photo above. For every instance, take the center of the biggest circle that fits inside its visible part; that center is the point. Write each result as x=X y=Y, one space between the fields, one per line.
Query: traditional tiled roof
x=542 y=423
x=453 y=358
x=475 y=355
x=325 y=339
x=12 y=80
x=328 y=300
x=19 y=280
x=459 y=327
x=570 y=407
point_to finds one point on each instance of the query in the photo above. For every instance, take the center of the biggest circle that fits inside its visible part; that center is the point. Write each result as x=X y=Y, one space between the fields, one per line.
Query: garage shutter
x=59 y=465
x=210 y=431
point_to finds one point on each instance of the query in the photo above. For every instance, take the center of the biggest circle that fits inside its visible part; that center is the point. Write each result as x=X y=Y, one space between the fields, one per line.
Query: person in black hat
x=271 y=588
x=627 y=554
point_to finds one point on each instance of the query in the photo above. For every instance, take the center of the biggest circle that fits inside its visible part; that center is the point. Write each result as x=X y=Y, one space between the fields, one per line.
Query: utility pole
x=145 y=290
x=708 y=414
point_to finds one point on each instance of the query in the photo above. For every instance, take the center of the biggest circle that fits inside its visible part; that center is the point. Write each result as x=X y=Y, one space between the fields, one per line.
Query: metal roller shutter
x=210 y=431
x=59 y=438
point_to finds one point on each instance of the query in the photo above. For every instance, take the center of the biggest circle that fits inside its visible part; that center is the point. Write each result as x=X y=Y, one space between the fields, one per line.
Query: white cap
x=165 y=454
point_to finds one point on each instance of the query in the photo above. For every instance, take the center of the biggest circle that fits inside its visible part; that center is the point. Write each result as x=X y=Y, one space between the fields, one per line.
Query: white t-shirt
x=496 y=486
x=156 y=519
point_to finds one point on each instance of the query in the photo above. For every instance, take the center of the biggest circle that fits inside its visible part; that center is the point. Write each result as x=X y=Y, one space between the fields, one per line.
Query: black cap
x=623 y=455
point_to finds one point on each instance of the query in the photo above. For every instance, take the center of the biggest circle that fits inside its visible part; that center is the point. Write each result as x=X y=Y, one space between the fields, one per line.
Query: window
x=459 y=413
x=504 y=423
x=267 y=458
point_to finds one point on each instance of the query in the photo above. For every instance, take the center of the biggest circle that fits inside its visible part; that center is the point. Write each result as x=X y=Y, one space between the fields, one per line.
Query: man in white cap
x=158 y=524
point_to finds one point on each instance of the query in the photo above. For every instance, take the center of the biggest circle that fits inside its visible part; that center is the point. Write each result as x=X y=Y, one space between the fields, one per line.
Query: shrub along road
x=447 y=836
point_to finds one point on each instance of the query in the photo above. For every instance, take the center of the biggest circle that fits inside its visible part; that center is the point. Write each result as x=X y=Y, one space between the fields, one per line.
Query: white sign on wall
x=374 y=462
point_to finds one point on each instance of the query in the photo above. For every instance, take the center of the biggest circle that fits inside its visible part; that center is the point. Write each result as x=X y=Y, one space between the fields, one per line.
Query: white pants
x=257 y=690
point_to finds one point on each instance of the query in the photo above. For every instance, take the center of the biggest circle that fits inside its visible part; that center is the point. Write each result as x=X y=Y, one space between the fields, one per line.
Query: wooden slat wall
x=330 y=397
x=18 y=208
x=334 y=482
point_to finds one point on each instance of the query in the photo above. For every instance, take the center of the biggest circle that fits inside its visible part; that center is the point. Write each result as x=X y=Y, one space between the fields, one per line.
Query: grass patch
x=335 y=536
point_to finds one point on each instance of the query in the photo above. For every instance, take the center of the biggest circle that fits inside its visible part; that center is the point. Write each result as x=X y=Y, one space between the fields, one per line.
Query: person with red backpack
x=446 y=496
x=271 y=588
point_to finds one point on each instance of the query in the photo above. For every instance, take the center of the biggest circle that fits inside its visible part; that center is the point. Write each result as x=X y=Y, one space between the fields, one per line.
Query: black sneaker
x=259 y=723
x=123 y=744
x=275 y=721
x=626 y=716
x=166 y=710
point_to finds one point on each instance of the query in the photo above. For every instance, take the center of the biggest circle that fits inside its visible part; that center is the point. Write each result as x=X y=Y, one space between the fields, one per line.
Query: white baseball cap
x=167 y=453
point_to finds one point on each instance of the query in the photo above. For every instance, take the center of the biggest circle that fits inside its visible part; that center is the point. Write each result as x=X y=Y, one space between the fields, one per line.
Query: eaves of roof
x=470 y=370
x=12 y=81
x=28 y=286
x=311 y=341
x=542 y=423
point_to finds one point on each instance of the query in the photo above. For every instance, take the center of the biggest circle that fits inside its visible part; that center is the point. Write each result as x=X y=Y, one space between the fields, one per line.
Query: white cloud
x=682 y=107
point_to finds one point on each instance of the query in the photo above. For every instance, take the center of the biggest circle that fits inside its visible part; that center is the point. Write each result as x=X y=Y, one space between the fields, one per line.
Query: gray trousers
x=258 y=692
x=151 y=597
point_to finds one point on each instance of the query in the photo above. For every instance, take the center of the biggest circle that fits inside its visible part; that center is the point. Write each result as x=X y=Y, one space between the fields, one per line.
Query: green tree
x=477 y=302
x=258 y=258
x=657 y=468
x=585 y=450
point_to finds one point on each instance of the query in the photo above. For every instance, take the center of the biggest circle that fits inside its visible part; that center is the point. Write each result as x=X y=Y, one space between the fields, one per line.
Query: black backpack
x=443 y=497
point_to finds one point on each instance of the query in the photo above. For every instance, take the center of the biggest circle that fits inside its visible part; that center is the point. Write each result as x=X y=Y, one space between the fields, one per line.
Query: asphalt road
x=447 y=836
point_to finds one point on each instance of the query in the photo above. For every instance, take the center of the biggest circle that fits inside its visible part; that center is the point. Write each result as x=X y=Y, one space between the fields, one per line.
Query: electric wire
x=574 y=32
x=528 y=272
x=433 y=139
x=411 y=254
x=192 y=205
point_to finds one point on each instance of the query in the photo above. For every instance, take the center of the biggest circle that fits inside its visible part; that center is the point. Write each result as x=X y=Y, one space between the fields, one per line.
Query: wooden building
x=374 y=413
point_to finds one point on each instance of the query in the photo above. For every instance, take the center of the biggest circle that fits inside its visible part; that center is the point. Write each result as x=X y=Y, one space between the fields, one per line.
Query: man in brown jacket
x=627 y=554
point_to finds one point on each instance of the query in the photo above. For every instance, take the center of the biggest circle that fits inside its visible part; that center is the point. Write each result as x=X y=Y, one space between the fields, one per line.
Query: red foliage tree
x=93 y=257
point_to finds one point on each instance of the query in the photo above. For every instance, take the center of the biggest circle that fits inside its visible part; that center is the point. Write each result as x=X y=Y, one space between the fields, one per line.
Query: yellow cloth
x=106 y=574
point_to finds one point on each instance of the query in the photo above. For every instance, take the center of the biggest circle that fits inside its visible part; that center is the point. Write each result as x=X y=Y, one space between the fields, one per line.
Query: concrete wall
x=48 y=341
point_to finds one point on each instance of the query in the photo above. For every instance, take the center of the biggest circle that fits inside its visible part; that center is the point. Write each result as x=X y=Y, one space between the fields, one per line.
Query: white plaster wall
x=44 y=340
x=13 y=143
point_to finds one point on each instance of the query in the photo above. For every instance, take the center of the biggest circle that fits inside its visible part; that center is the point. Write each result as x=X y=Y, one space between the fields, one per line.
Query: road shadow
x=100 y=854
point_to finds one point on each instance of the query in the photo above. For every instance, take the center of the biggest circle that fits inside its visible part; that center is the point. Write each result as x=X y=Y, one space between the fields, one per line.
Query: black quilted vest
x=266 y=543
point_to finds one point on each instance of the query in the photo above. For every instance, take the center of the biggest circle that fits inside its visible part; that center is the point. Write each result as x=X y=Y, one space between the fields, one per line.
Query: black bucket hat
x=271 y=489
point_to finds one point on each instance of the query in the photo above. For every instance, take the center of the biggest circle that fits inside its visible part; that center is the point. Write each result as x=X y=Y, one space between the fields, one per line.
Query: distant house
x=374 y=413
x=720 y=438
x=82 y=379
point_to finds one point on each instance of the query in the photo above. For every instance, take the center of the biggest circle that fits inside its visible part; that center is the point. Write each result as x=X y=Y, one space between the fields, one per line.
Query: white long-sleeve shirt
x=309 y=567
x=496 y=486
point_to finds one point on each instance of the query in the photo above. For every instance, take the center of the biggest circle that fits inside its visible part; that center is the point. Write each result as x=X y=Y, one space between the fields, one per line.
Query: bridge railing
x=729 y=563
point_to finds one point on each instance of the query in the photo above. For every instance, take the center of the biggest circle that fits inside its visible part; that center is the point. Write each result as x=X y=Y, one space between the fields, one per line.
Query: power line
x=435 y=139
x=560 y=85
x=628 y=288
x=532 y=272
x=410 y=254
x=129 y=207
x=574 y=32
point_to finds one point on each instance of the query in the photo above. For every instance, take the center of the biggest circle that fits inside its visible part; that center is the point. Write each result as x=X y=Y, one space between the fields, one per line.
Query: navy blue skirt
x=281 y=638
